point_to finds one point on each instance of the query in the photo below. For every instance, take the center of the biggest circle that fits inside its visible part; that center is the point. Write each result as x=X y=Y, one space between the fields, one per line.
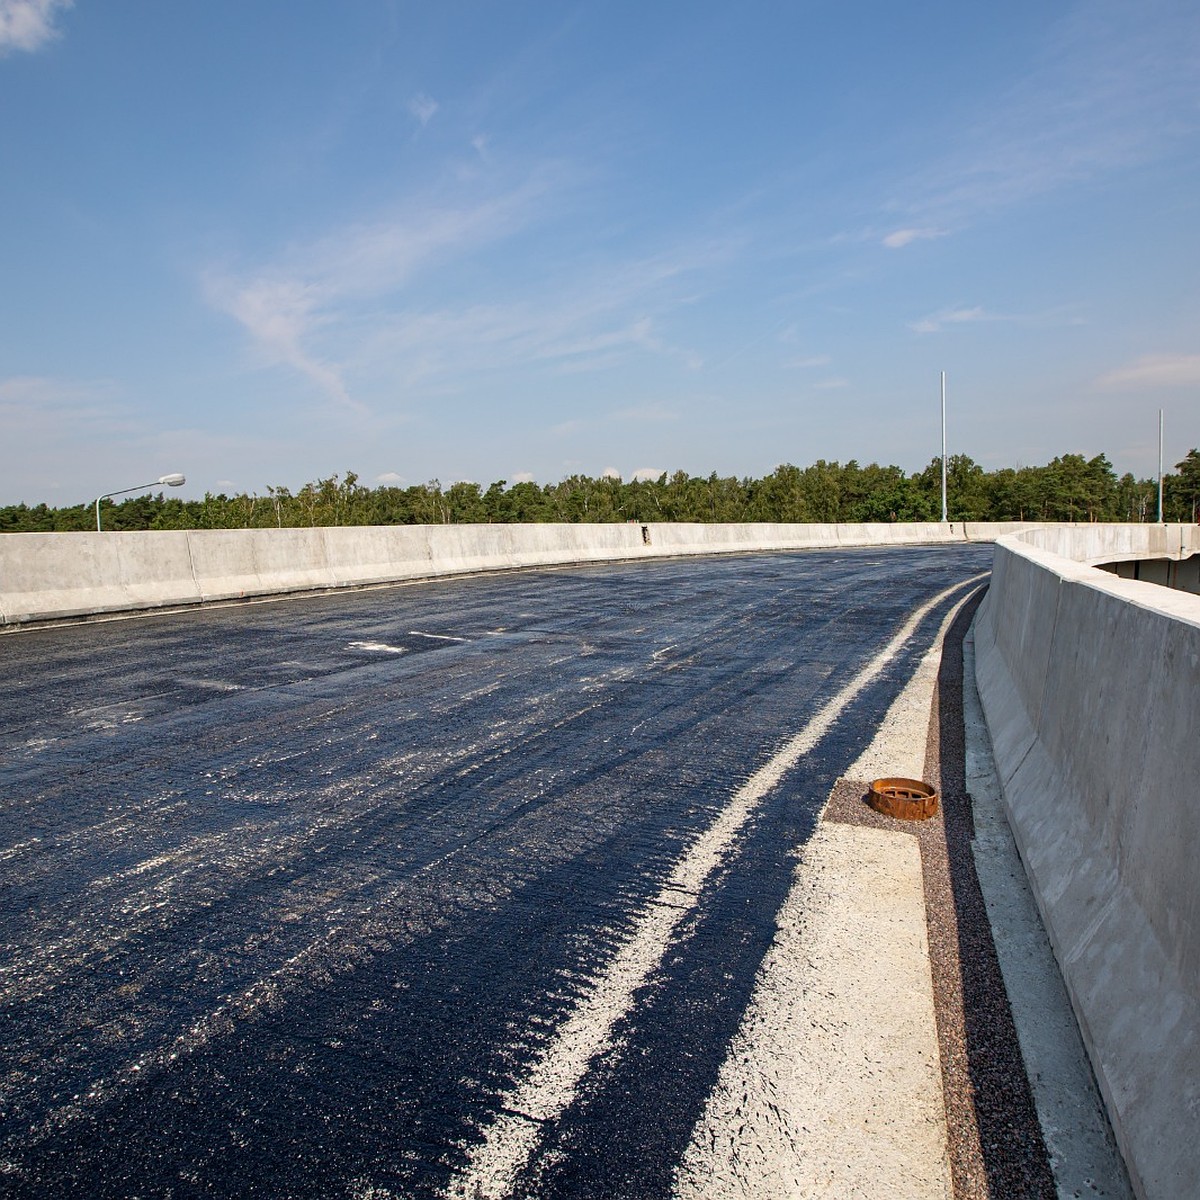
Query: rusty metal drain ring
x=904 y=799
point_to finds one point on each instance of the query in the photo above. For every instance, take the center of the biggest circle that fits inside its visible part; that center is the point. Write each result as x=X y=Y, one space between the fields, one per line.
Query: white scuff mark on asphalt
x=552 y=1081
x=19 y=848
x=99 y=708
x=215 y=685
x=376 y=647
x=437 y=637
x=37 y=744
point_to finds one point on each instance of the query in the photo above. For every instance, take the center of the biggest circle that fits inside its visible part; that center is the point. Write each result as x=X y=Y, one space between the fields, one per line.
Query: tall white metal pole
x=944 y=446
x=1160 y=470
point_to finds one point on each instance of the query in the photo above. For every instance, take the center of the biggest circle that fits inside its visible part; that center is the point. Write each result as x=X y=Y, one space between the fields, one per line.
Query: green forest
x=1070 y=488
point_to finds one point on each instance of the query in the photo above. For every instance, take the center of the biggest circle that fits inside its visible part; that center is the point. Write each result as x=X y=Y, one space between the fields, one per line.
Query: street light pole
x=1160 y=470
x=943 y=446
x=172 y=480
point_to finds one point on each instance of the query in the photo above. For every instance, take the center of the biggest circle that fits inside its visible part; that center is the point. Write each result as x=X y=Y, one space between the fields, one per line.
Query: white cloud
x=648 y=472
x=523 y=477
x=423 y=107
x=29 y=24
x=574 y=324
x=610 y=473
x=936 y=322
x=390 y=479
x=291 y=307
x=55 y=405
x=280 y=315
x=1113 y=87
x=905 y=237
x=647 y=414
x=1156 y=370
x=345 y=310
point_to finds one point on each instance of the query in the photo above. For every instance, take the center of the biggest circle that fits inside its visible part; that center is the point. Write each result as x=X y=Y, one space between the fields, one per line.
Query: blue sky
x=264 y=241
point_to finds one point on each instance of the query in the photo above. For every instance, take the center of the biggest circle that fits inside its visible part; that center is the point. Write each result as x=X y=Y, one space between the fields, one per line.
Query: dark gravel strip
x=995 y=1141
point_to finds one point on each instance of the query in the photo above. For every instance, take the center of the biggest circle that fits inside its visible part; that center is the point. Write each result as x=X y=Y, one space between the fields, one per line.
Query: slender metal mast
x=944 y=449
x=1160 y=470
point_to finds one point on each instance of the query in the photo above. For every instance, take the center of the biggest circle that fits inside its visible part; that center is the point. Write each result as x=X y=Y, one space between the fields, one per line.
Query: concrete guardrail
x=1091 y=688
x=51 y=576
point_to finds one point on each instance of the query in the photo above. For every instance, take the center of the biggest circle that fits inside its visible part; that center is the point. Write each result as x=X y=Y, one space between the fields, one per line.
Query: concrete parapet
x=52 y=575
x=1114 y=543
x=44 y=576
x=1091 y=687
x=231 y=563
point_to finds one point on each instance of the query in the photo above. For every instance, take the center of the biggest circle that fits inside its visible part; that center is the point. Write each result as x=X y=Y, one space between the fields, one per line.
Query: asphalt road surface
x=447 y=889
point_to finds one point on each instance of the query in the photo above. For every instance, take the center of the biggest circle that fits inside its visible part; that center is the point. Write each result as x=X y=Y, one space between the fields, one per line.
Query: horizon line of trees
x=1069 y=488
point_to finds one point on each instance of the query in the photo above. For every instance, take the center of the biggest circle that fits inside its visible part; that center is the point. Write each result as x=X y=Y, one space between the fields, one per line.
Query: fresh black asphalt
x=291 y=892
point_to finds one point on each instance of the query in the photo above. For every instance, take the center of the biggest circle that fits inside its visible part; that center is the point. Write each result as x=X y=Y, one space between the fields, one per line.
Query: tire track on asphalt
x=728 y=660
x=552 y=1082
x=250 y=854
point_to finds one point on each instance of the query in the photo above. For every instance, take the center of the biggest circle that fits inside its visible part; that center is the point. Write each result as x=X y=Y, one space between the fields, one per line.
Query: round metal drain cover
x=905 y=799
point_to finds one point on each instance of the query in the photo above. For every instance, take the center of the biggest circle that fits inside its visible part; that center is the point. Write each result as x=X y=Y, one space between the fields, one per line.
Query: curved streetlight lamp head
x=172 y=480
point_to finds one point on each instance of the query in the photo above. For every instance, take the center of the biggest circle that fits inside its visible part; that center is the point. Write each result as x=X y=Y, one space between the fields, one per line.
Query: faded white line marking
x=832 y=1084
x=376 y=647
x=898 y=748
x=436 y=637
x=553 y=1079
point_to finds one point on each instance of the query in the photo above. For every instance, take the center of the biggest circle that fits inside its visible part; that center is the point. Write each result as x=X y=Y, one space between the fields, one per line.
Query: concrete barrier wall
x=47 y=576
x=1091 y=687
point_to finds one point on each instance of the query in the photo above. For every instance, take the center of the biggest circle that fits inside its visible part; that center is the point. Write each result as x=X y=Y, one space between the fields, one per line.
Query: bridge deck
x=489 y=887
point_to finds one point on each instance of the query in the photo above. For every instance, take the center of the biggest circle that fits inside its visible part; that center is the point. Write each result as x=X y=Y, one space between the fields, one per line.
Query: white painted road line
x=898 y=748
x=832 y=1085
x=553 y=1080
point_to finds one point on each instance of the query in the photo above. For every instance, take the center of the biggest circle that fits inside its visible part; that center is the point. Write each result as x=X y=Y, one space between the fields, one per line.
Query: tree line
x=1070 y=488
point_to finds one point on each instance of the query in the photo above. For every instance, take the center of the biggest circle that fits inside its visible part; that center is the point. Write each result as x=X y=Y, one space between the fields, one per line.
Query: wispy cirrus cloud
x=29 y=24
x=649 y=414
x=1064 y=316
x=900 y=238
x=936 y=322
x=423 y=108
x=281 y=315
x=356 y=311
x=1155 y=371
x=1113 y=87
x=29 y=401
x=294 y=309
